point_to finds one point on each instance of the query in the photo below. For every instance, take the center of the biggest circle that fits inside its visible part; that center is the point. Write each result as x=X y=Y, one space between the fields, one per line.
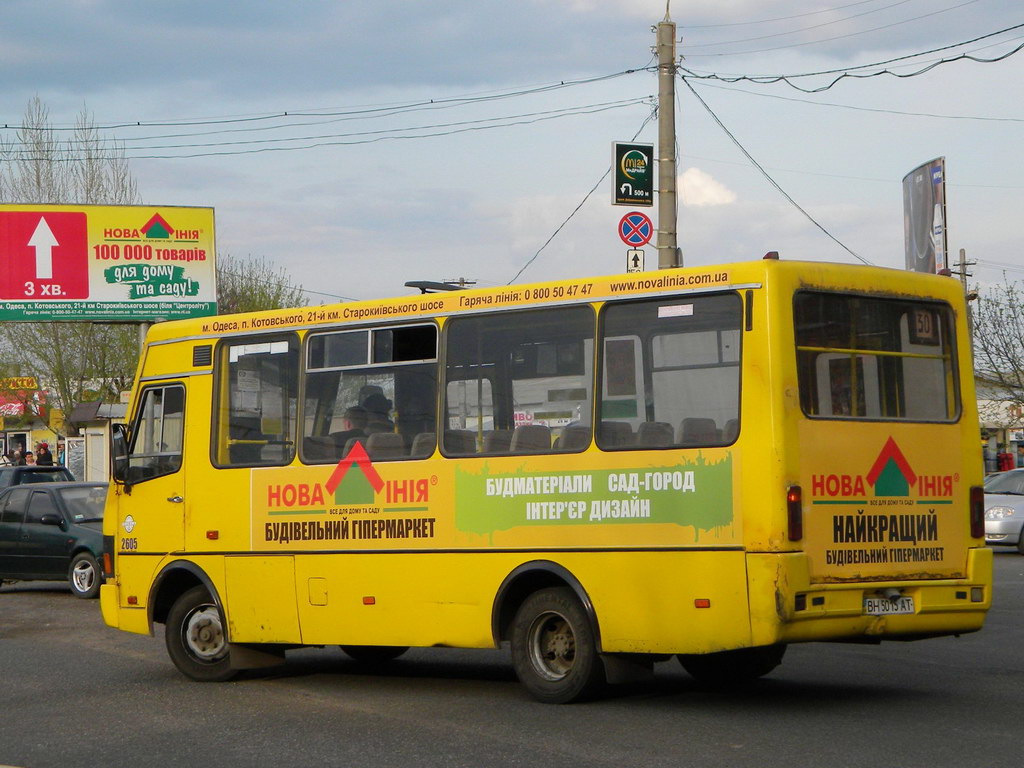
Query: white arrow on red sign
x=43 y=241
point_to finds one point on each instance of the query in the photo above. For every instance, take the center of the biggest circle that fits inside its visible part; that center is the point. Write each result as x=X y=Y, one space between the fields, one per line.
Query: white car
x=1004 y=509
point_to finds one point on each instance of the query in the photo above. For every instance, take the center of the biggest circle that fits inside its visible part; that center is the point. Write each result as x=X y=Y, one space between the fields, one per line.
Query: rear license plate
x=882 y=606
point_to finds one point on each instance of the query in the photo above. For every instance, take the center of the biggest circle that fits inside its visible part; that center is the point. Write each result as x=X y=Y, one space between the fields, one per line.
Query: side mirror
x=119 y=453
x=49 y=519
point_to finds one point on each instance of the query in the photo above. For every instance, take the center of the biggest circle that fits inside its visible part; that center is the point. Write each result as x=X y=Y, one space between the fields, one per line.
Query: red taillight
x=977 y=511
x=795 y=512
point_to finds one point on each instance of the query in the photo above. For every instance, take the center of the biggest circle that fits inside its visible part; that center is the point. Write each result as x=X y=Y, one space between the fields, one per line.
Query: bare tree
x=76 y=361
x=84 y=361
x=999 y=338
x=999 y=352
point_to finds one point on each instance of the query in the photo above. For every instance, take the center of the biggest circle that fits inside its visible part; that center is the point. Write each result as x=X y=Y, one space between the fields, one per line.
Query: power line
x=788 y=18
x=851 y=72
x=878 y=110
x=562 y=112
x=769 y=178
x=368 y=111
x=821 y=40
x=808 y=29
x=374 y=136
x=575 y=210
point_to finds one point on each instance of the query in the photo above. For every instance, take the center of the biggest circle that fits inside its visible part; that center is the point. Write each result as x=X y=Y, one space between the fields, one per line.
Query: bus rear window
x=861 y=357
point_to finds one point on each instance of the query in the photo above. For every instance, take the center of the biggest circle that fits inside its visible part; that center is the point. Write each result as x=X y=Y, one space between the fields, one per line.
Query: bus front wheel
x=196 y=640
x=732 y=667
x=553 y=648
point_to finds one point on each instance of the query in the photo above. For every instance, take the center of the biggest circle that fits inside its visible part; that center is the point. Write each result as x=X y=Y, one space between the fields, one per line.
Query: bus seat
x=655 y=434
x=385 y=445
x=731 y=431
x=531 y=438
x=497 y=441
x=423 y=444
x=351 y=443
x=614 y=434
x=699 y=431
x=319 y=448
x=459 y=442
x=575 y=437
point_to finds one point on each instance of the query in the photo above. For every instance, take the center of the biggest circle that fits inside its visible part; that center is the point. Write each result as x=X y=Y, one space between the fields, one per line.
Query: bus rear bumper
x=786 y=607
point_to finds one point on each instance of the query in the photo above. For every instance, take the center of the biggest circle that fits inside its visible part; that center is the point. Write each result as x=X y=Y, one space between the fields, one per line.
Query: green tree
x=252 y=284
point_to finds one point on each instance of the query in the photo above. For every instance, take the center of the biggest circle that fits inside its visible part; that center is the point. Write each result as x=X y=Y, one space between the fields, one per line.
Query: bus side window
x=671 y=370
x=375 y=387
x=158 y=434
x=519 y=381
x=257 y=401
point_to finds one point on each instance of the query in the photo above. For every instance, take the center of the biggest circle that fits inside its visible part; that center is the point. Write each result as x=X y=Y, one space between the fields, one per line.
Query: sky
x=360 y=144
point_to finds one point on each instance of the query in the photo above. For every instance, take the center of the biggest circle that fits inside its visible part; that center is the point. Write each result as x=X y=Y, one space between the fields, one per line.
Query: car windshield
x=1006 y=482
x=84 y=503
x=45 y=475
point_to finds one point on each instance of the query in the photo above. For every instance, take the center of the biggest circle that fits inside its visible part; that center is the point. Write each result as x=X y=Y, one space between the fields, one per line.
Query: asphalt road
x=74 y=692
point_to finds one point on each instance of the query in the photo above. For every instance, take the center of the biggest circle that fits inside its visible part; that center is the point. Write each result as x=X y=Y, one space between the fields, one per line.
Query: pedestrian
x=43 y=456
x=17 y=459
x=30 y=459
x=61 y=452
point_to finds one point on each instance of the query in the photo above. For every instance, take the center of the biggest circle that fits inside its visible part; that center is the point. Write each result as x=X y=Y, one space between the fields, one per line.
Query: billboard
x=633 y=177
x=924 y=217
x=108 y=263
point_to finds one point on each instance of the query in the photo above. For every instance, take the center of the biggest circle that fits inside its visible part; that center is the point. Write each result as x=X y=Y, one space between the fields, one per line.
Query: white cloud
x=697 y=188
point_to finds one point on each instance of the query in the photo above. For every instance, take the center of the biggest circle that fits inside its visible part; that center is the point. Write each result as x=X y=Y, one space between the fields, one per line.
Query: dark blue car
x=53 y=531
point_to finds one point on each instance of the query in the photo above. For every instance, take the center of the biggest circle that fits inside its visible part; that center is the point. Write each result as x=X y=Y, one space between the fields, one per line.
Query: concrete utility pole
x=669 y=255
x=969 y=295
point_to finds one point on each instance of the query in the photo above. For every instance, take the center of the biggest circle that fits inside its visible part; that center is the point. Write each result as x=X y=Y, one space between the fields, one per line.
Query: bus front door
x=152 y=510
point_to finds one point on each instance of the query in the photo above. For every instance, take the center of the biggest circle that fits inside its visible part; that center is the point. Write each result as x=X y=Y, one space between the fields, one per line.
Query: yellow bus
x=710 y=463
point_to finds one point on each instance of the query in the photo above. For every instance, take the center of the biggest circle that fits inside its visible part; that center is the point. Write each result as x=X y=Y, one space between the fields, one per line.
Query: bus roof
x=751 y=274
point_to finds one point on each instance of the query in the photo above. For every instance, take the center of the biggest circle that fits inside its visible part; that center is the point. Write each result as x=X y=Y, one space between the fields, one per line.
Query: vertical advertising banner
x=924 y=217
x=106 y=263
x=633 y=177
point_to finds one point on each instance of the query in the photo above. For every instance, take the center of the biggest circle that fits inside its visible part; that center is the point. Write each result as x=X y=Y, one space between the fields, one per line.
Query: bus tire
x=374 y=654
x=553 y=648
x=196 y=638
x=736 y=667
x=84 y=576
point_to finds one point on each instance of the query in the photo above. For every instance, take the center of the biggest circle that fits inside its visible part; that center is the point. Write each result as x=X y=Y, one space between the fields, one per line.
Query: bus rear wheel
x=553 y=648
x=196 y=640
x=374 y=654
x=735 y=667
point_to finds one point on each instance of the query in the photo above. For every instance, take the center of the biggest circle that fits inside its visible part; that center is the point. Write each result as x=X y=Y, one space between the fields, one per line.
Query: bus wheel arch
x=524 y=581
x=174 y=580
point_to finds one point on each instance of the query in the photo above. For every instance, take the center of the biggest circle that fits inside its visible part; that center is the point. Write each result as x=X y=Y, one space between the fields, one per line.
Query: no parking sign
x=636 y=229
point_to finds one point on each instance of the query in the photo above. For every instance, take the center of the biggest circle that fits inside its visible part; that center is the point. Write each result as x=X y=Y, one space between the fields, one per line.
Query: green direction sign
x=634 y=174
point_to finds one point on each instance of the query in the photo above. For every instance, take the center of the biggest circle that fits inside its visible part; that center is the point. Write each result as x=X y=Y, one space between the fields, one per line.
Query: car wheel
x=196 y=638
x=553 y=648
x=1020 y=542
x=84 y=576
x=374 y=654
x=727 y=668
